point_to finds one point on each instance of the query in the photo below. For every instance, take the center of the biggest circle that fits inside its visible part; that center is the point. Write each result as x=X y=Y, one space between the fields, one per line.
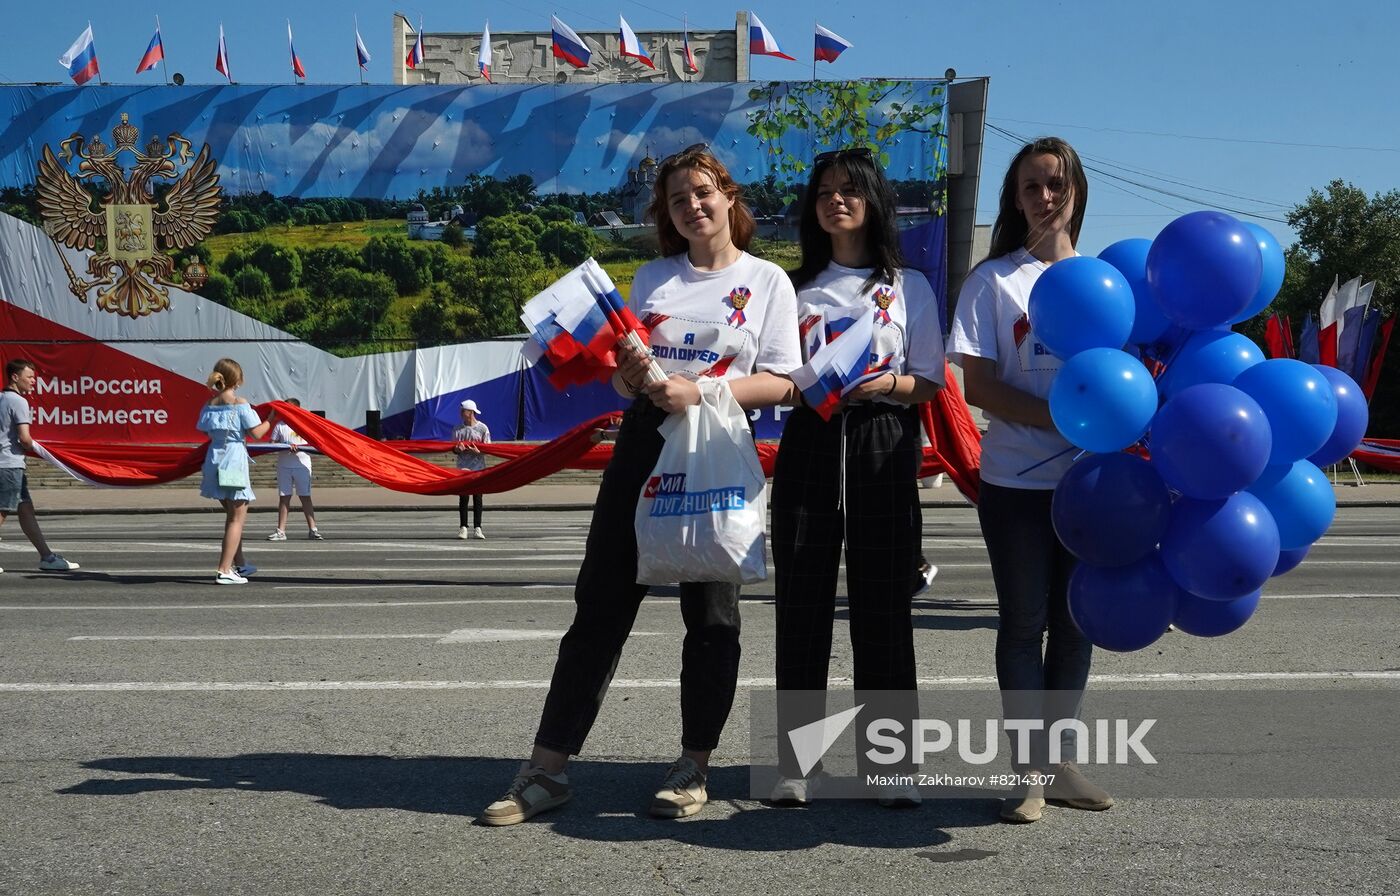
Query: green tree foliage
x=218 y=288
x=281 y=264
x=513 y=234
x=453 y=236
x=251 y=283
x=354 y=306
x=488 y=197
x=553 y=211
x=319 y=263
x=566 y=242
x=395 y=258
x=479 y=298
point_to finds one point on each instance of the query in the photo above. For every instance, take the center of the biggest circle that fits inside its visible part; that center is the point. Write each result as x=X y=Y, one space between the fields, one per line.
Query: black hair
x=881 y=234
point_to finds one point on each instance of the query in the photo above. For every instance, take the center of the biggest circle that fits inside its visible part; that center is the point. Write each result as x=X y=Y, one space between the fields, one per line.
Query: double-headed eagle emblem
x=127 y=221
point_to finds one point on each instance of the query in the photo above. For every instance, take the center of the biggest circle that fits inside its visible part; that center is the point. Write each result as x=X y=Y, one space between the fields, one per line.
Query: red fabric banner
x=955 y=440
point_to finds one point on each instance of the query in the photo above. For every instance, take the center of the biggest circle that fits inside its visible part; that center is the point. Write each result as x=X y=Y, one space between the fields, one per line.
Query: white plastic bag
x=701 y=514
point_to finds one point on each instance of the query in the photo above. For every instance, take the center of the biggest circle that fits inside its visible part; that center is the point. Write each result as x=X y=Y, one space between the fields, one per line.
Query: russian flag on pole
x=690 y=66
x=840 y=361
x=296 y=62
x=483 y=53
x=829 y=45
x=415 y=55
x=81 y=58
x=155 y=52
x=221 y=58
x=567 y=45
x=361 y=51
x=630 y=46
x=761 y=40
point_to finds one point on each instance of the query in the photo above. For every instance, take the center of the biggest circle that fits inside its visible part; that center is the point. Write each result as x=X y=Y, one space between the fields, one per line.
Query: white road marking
x=458 y=636
x=59 y=687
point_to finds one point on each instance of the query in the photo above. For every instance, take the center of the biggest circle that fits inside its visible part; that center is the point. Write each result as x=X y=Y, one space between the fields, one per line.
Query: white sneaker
x=795 y=791
x=56 y=563
x=927 y=572
x=683 y=792
x=230 y=578
x=477 y=533
x=464 y=533
x=315 y=535
x=900 y=797
x=279 y=535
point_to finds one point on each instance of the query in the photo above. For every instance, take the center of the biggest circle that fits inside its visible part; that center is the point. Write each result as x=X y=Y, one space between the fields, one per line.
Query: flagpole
x=814 y=52
x=165 y=69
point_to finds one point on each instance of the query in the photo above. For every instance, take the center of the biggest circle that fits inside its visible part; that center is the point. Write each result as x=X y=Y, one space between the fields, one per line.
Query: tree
x=394 y=257
x=251 y=283
x=567 y=242
x=281 y=264
x=318 y=264
x=507 y=235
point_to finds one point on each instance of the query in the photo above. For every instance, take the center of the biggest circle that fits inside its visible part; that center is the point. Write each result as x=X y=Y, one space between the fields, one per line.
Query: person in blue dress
x=229 y=421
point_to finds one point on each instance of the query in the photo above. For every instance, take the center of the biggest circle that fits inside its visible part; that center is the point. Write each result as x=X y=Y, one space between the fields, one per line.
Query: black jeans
x=476 y=503
x=876 y=447
x=606 y=600
x=1042 y=658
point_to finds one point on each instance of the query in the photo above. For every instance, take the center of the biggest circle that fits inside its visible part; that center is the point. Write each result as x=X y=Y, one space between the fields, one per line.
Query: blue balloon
x=1270 y=275
x=1111 y=509
x=1213 y=618
x=1204 y=268
x=1223 y=549
x=1102 y=400
x=1209 y=356
x=1122 y=608
x=1300 y=499
x=1353 y=416
x=1081 y=303
x=1210 y=441
x=1299 y=402
x=1289 y=560
x=1130 y=258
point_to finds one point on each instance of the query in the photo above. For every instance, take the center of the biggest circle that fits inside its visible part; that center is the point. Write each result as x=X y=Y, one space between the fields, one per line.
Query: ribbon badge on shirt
x=884 y=297
x=738 y=299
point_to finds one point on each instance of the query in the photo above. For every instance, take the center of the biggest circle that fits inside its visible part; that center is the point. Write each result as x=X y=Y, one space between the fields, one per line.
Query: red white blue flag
x=690 y=66
x=839 y=361
x=297 y=68
x=628 y=45
x=415 y=55
x=221 y=58
x=361 y=51
x=81 y=58
x=567 y=45
x=155 y=52
x=483 y=53
x=829 y=45
x=574 y=326
x=761 y=40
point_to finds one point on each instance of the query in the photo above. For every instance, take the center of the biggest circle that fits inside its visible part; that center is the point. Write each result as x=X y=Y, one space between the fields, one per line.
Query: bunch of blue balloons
x=1228 y=491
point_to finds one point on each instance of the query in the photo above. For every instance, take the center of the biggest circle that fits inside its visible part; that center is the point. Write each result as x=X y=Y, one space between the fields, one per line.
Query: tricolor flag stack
x=761 y=40
x=1350 y=335
x=574 y=326
x=628 y=45
x=567 y=45
x=155 y=52
x=81 y=58
x=839 y=352
x=829 y=45
x=483 y=53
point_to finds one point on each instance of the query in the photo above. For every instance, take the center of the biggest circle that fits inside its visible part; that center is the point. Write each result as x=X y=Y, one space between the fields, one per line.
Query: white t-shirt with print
x=289 y=459
x=907 y=339
x=729 y=323
x=991 y=322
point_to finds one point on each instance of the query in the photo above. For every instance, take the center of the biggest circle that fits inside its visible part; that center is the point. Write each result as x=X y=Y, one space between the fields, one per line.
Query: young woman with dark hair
x=1042 y=659
x=713 y=311
x=851 y=481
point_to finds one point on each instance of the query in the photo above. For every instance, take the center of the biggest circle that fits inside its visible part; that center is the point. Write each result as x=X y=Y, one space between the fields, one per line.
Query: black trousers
x=880 y=525
x=476 y=504
x=606 y=600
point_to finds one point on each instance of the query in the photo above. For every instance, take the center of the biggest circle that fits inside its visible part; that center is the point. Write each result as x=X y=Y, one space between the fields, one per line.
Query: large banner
x=344 y=243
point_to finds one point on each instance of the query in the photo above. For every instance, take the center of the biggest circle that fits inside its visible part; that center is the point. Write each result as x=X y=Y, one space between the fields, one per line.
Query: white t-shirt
x=476 y=432
x=284 y=433
x=991 y=322
x=728 y=323
x=907 y=339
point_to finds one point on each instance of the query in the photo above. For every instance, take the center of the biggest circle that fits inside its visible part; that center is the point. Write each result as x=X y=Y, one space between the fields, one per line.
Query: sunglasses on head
x=854 y=152
x=694 y=149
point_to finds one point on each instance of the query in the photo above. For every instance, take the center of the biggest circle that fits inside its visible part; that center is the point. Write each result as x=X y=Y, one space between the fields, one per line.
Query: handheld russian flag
x=690 y=66
x=296 y=62
x=221 y=58
x=415 y=55
x=840 y=362
x=361 y=52
x=761 y=40
x=155 y=52
x=567 y=45
x=483 y=53
x=81 y=58
x=829 y=45
x=628 y=45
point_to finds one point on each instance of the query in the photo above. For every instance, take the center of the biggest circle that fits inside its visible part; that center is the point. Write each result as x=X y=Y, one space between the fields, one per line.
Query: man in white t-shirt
x=15 y=418
x=293 y=477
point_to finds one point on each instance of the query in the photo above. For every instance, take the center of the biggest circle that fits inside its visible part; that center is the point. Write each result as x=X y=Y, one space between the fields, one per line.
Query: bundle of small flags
x=840 y=359
x=576 y=323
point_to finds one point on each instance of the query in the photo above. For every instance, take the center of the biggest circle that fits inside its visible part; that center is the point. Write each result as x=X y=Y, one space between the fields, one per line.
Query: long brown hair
x=741 y=222
x=227 y=374
x=1011 y=230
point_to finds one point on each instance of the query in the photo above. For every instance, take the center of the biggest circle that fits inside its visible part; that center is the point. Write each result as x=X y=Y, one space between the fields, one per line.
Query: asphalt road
x=336 y=726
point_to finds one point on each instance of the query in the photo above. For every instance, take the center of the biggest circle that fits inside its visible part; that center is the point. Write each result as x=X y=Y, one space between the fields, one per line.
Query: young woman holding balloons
x=1042 y=659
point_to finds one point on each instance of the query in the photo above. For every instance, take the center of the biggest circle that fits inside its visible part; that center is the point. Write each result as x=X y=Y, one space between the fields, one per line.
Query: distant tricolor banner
x=483 y=53
x=829 y=45
x=415 y=55
x=629 y=45
x=297 y=68
x=81 y=58
x=761 y=40
x=155 y=52
x=567 y=45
